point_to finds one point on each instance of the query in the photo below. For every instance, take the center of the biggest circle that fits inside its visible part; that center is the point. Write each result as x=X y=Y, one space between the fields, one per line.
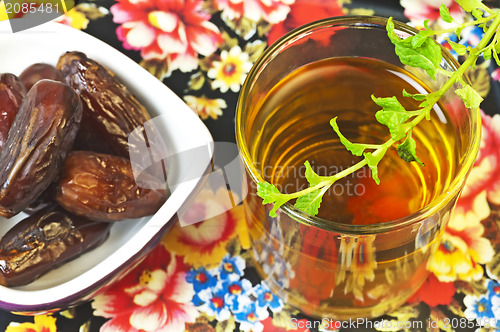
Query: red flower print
x=302 y=12
x=420 y=10
x=174 y=30
x=434 y=292
x=155 y=296
x=203 y=244
x=272 y=11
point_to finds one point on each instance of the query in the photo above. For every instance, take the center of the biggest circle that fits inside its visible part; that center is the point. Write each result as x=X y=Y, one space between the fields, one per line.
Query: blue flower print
x=238 y=292
x=198 y=300
x=231 y=268
x=266 y=298
x=214 y=303
x=479 y=308
x=493 y=289
x=201 y=279
x=251 y=317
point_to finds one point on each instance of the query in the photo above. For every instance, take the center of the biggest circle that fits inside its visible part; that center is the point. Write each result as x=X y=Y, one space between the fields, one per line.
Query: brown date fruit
x=12 y=93
x=37 y=72
x=102 y=187
x=113 y=121
x=44 y=241
x=108 y=106
x=45 y=199
x=89 y=138
x=40 y=138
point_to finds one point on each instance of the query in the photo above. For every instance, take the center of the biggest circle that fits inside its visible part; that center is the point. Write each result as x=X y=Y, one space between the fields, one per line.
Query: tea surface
x=296 y=114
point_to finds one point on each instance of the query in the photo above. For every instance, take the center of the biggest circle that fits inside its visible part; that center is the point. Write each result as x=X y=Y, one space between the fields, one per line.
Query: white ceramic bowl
x=130 y=240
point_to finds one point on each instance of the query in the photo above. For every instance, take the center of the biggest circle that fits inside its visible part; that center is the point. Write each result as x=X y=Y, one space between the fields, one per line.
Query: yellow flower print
x=203 y=244
x=230 y=72
x=206 y=107
x=43 y=323
x=464 y=217
x=74 y=18
x=460 y=254
x=80 y=15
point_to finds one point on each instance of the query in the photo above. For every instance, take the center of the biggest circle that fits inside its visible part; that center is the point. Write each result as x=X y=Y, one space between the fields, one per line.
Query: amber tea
x=297 y=113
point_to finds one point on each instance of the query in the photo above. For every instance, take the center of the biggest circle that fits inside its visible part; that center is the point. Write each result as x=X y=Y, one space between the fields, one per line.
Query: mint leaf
x=279 y=202
x=393 y=115
x=355 y=148
x=487 y=53
x=459 y=48
x=424 y=54
x=372 y=162
x=426 y=24
x=267 y=192
x=445 y=13
x=310 y=202
x=471 y=98
x=469 y=5
x=425 y=100
x=495 y=55
x=390 y=31
x=427 y=56
x=416 y=96
x=495 y=51
x=477 y=14
x=271 y=194
x=418 y=39
x=311 y=176
x=407 y=151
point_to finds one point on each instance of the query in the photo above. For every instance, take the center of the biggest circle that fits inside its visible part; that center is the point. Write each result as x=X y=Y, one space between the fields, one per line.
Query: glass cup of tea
x=366 y=251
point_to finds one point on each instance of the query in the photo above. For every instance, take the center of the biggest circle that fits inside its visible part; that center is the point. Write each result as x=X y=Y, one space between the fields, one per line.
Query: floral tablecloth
x=200 y=277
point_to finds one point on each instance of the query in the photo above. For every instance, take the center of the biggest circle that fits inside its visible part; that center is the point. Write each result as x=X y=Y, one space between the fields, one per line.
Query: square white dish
x=130 y=240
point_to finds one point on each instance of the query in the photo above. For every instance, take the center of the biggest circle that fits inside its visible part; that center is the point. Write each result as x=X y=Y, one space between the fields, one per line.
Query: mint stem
x=379 y=151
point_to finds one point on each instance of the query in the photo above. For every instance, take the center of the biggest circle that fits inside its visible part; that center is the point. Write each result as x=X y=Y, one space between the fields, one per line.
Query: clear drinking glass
x=326 y=266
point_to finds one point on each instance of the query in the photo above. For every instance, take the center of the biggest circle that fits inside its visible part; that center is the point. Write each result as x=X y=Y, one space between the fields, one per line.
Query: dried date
x=40 y=138
x=45 y=199
x=12 y=93
x=37 y=72
x=109 y=107
x=114 y=121
x=44 y=241
x=102 y=187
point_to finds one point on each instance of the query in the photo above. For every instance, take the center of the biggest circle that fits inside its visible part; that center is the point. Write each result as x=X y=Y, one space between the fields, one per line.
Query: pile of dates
x=65 y=161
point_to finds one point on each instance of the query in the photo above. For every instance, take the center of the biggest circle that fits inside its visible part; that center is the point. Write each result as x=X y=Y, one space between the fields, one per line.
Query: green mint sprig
x=419 y=51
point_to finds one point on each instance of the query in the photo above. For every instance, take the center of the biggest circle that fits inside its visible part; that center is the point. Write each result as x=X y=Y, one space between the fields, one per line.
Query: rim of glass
x=329 y=225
